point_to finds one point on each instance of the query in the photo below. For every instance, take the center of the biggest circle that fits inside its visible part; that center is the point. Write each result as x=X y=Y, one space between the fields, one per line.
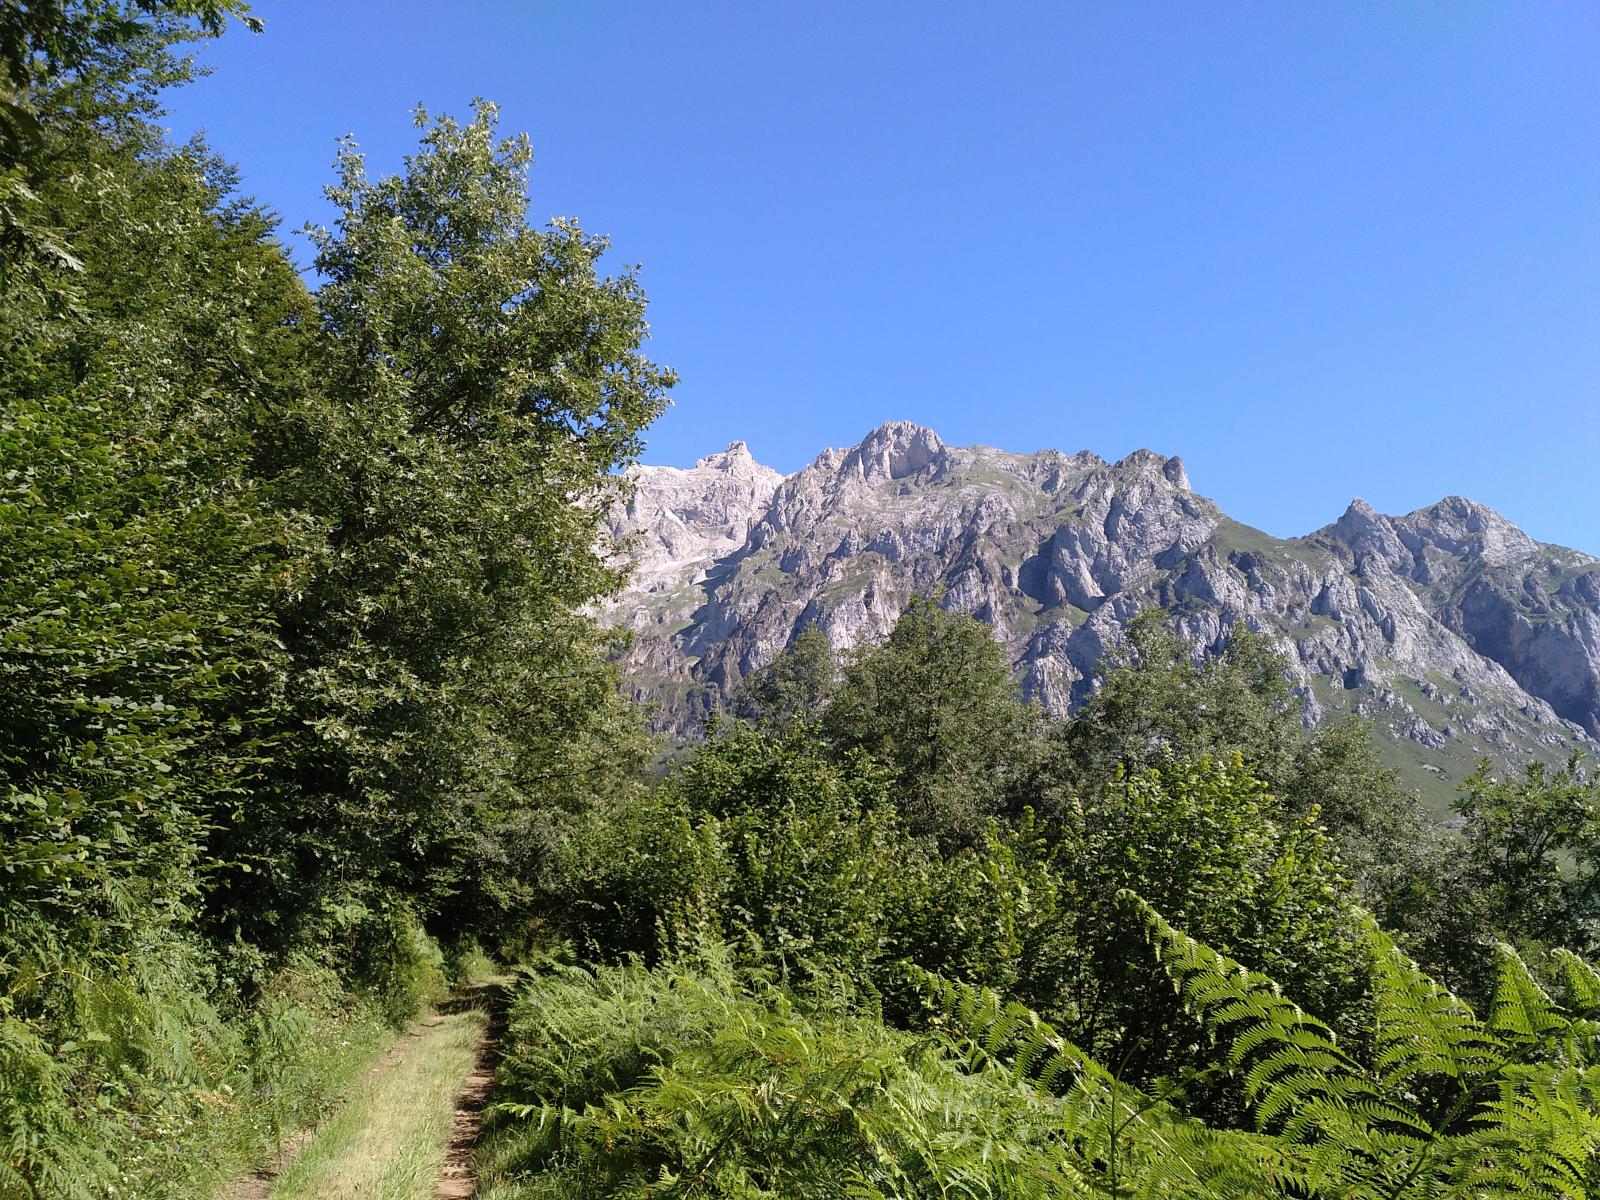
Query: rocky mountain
x=1458 y=634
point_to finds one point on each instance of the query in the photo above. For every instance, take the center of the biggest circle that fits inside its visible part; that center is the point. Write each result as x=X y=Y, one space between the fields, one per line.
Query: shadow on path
x=458 y=1180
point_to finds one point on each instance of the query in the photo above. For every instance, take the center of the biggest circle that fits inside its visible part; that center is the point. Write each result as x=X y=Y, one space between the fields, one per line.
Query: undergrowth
x=684 y=1080
x=626 y=1082
x=142 y=1071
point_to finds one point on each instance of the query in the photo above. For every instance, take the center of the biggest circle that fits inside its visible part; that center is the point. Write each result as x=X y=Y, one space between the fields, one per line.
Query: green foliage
x=47 y=38
x=1443 y=1103
x=632 y=1083
x=1337 y=774
x=633 y=877
x=937 y=704
x=481 y=383
x=999 y=915
x=138 y=668
x=794 y=688
x=386 y=956
x=1155 y=704
x=468 y=964
x=628 y=1082
x=1207 y=843
x=764 y=839
x=148 y=1080
x=1132 y=1143
x=804 y=863
x=1533 y=854
x=294 y=653
x=816 y=866
x=108 y=56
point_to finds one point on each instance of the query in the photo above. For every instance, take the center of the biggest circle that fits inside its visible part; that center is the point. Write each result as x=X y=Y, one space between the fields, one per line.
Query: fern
x=1134 y=1144
x=625 y=1082
x=1521 y=1014
x=1422 y=1029
x=751 y=1096
x=1446 y=1105
x=1582 y=981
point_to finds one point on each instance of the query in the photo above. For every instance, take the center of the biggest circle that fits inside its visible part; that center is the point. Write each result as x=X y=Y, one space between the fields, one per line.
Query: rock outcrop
x=1456 y=632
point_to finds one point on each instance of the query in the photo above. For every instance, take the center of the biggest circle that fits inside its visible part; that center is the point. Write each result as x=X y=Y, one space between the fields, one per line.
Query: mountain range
x=1456 y=633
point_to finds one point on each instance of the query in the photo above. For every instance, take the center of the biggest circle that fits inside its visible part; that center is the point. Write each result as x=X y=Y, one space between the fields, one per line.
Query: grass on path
x=388 y=1142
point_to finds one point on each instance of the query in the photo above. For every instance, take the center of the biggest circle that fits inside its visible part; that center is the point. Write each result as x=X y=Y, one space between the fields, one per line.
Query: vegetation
x=307 y=712
x=292 y=656
x=627 y=1082
x=388 y=1140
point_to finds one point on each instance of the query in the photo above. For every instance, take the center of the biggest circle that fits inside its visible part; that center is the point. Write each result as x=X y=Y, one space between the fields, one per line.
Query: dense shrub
x=625 y=1081
x=633 y=877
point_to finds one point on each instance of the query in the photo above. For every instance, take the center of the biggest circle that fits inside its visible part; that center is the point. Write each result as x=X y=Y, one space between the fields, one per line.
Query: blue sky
x=1319 y=250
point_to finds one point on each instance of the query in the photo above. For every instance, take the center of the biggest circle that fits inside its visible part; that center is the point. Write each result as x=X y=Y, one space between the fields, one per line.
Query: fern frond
x=1541 y=1137
x=1292 y=1063
x=1144 y=1145
x=1582 y=982
x=1521 y=1012
x=1423 y=1029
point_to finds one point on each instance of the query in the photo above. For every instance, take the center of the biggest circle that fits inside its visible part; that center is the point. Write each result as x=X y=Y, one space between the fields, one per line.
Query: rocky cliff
x=1458 y=634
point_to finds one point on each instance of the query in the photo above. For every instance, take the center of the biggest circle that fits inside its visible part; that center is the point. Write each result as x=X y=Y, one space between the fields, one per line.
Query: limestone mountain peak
x=736 y=459
x=1171 y=469
x=894 y=450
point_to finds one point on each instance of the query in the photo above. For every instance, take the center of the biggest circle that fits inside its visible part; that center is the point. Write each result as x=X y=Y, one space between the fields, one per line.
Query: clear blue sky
x=1320 y=250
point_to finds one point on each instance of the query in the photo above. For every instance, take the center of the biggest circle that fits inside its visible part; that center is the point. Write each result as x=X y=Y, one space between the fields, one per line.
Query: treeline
x=294 y=675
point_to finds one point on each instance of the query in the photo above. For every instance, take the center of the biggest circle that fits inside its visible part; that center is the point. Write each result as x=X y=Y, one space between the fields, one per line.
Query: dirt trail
x=458 y=1180
x=258 y=1183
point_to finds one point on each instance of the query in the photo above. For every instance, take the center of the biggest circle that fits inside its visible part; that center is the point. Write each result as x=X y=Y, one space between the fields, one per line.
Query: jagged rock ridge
x=1459 y=634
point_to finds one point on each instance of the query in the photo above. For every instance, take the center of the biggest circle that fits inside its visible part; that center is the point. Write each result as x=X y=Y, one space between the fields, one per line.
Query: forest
x=307 y=714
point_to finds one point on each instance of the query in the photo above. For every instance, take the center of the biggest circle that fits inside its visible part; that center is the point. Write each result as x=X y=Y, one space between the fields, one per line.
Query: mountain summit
x=1458 y=634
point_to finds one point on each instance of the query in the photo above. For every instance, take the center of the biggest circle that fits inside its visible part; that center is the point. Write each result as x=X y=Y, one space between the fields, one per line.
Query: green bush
x=998 y=915
x=386 y=956
x=635 y=877
x=467 y=963
x=802 y=860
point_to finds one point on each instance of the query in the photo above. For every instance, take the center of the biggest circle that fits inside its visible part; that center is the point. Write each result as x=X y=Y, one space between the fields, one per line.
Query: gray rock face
x=1456 y=632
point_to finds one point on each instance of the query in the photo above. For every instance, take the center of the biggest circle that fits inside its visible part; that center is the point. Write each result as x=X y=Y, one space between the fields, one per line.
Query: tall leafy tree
x=1207 y=841
x=480 y=384
x=1533 y=853
x=1156 y=703
x=113 y=50
x=937 y=703
x=141 y=554
x=794 y=688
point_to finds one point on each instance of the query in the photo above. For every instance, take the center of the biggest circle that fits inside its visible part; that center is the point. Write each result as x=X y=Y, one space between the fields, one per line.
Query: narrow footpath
x=409 y=1130
x=458 y=1179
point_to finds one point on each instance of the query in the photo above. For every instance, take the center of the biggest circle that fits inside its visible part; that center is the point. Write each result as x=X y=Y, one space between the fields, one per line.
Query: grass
x=232 y=1137
x=1230 y=535
x=199 y=1149
x=159 y=1092
x=388 y=1142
